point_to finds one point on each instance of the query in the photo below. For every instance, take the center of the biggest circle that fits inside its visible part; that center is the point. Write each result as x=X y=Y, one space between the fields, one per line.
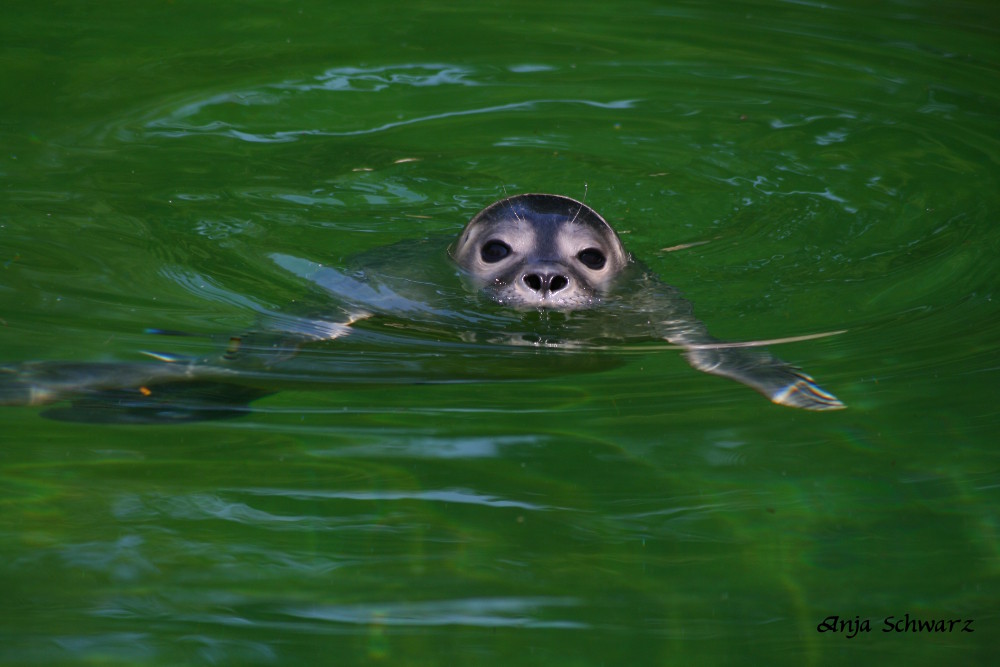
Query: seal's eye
x=494 y=251
x=592 y=258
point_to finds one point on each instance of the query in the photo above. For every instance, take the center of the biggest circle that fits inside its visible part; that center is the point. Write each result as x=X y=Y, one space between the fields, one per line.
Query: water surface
x=837 y=163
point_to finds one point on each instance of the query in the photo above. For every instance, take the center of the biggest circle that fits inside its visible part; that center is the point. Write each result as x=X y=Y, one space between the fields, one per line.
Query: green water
x=839 y=160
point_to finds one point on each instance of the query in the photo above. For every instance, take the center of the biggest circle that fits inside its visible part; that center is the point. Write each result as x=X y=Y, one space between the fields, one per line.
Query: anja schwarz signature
x=897 y=624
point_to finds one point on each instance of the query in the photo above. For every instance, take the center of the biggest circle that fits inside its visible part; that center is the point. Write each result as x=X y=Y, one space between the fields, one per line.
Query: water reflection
x=486 y=612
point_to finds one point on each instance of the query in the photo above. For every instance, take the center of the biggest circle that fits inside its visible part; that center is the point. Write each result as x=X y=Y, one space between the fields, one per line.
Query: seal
x=529 y=254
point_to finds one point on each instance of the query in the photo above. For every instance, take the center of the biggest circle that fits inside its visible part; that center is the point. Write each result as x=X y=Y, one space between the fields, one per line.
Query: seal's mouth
x=510 y=296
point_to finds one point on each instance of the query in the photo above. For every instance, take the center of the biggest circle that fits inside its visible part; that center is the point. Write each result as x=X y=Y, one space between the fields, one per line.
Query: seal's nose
x=545 y=283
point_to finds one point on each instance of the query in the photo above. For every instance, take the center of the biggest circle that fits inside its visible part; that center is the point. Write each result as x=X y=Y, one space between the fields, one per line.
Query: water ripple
x=482 y=612
x=379 y=78
x=459 y=496
x=174 y=127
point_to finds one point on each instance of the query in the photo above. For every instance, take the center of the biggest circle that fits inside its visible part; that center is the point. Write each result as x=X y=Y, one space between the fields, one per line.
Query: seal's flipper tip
x=804 y=393
x=14 y=390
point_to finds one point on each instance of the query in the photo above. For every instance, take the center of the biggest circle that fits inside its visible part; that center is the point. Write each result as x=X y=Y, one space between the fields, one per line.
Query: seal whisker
x=510 y=205
x=580 y=208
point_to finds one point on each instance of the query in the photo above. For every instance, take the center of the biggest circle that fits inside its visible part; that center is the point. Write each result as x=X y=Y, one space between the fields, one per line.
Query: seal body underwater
x=535 y=254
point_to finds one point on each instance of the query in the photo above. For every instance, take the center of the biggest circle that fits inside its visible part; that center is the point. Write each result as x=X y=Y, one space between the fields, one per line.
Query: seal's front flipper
x=278 y=338
x=780 y=382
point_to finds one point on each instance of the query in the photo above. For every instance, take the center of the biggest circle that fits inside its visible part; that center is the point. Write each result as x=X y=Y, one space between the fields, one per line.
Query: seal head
x=540 y=251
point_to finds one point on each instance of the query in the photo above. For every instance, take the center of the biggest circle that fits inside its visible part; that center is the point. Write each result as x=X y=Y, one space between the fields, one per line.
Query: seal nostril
x=545 y=282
